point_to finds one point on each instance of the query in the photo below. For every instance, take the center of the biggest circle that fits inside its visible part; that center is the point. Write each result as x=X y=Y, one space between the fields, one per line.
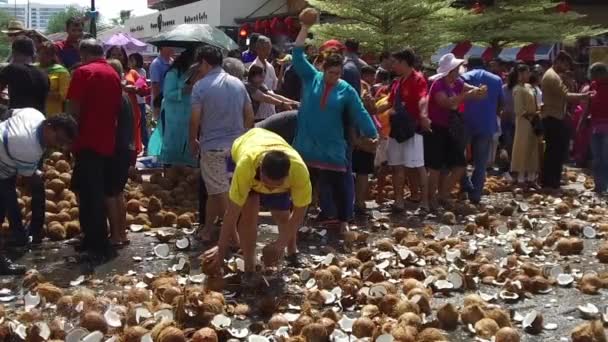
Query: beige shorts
x=214 y=170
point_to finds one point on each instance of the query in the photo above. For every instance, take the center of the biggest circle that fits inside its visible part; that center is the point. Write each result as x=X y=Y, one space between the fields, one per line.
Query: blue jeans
x=480 y=147
x=599 y=151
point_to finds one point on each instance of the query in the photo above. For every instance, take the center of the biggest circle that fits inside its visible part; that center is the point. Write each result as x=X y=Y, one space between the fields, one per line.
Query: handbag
x=403 y=125
x=456 y=127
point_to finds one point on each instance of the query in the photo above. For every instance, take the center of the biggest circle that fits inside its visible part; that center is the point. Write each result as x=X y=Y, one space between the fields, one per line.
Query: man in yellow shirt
x=268 y=172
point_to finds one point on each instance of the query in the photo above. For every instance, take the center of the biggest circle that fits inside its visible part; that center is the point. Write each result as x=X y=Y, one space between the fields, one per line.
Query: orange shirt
x=131 y=77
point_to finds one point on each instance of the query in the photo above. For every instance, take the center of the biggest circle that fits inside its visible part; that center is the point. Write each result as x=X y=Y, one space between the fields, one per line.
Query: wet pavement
x=56 y=261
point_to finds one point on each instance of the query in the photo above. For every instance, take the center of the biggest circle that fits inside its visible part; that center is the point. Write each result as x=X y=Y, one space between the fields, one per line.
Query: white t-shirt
x=20 y=145
x=271 y=82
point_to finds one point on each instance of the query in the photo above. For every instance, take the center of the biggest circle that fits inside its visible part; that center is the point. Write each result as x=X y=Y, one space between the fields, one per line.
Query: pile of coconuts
x=161 y=200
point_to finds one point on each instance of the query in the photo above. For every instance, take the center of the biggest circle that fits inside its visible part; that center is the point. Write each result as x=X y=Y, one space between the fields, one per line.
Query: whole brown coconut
x=49 y=292
x=328 y=323
x=133 y=206
x=430 y=335
x=486 y=328
x=363 y=327
x=325 y=279
x=309 y=16
x=404 y=333
x=133 y=334
x=184 y=221
x=315 y=332
x=277 y=321
x=171 y=334
x=472 y=314
x=56 y=232
x=388 y=304
x=170 y=219
x=447 y=316
x=65 y=306
x=157 y=219
x=94 y=321
x=62 y=166
x=507 y=335
x=500 y=316
x=154 y=205
x=56 y=185
x=72 y=229
x=300 y=323
x=365 y=254
x=204 y=335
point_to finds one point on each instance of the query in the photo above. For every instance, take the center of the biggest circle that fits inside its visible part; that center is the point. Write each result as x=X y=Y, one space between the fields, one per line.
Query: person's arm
x=270 y=98
x=300 y=63
x=283 y=99
x=75 y=93
x=248 y=116
x=359 y=116
x=248 y=113
x=301 y=195
x=195 y=120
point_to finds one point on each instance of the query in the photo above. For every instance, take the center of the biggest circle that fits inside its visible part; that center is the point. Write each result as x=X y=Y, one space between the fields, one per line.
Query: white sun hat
x=447 y=63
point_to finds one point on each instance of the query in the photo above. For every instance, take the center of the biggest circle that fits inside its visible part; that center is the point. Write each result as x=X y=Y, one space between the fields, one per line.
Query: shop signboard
x=200 y=12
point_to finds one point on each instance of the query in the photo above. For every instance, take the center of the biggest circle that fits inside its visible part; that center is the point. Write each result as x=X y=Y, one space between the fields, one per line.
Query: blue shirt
x=480 y=114
x=221 y=98
x=158 y=70
x=320 y=132
x=248 y=56
x=351 y=74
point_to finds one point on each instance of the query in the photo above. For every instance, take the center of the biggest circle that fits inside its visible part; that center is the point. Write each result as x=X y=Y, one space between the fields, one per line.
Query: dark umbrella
x=190 y=35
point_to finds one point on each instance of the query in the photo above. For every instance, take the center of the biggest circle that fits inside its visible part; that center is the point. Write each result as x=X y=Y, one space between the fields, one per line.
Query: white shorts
x=409 y=153
x=214 y=169
x=381 y=151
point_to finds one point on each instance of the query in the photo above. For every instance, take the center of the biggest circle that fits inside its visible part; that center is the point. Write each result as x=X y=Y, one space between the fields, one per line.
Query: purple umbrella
x=130 y=44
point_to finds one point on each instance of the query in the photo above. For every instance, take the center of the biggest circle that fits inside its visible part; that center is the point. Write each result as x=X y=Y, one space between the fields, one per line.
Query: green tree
x=4 y=44
x=123 y=16
x=57 y=20
x=388 y=24
x=519 y=22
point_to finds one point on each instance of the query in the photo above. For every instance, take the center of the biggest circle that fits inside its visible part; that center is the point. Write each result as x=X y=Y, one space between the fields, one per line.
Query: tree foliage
x=519 y=22
x=5 y=48
x=123 y=16
x=388 y=24
x=427 y=24
x=57 y=20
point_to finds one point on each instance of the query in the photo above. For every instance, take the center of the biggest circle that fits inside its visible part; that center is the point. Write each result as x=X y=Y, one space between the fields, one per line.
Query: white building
x=33 y=15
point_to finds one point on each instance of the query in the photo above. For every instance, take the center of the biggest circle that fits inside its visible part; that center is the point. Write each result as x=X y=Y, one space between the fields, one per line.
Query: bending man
x=269 y=173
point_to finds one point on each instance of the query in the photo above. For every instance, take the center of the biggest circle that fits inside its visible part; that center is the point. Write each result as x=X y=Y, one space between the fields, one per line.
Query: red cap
x=332 y=44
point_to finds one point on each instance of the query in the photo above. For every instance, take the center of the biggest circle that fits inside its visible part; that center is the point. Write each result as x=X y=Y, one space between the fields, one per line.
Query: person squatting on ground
x=268 y=172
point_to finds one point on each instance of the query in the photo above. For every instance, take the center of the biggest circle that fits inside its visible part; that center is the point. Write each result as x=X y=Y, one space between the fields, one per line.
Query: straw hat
x=447 y=63
x=14 y=26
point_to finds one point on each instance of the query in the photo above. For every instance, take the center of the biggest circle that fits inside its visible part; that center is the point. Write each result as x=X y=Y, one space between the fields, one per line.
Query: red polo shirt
x=96 y=87
x=68 y=54
x=413 y=89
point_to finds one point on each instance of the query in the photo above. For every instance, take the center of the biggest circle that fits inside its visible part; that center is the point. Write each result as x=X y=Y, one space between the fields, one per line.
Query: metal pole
x=28 y=16
x=93 y=19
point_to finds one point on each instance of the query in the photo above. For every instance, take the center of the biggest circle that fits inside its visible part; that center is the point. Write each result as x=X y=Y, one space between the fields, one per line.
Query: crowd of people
x=283 y=132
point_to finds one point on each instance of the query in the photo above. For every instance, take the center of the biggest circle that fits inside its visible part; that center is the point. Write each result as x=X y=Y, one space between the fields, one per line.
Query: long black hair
x=183 y=62
x=514 y=74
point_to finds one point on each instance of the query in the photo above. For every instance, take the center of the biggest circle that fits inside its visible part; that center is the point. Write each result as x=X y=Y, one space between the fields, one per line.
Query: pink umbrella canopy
x=130 y=44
